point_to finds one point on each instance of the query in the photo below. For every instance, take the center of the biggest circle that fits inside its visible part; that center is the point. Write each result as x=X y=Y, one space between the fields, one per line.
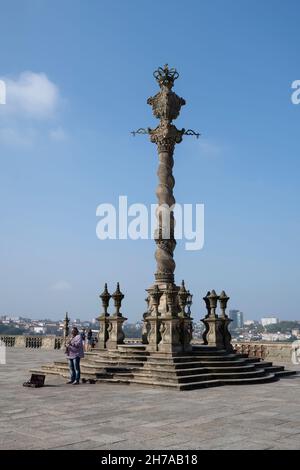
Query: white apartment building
x=269 y=321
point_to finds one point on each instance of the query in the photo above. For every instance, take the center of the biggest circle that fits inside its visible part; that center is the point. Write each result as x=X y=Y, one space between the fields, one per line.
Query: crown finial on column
x=165 y=76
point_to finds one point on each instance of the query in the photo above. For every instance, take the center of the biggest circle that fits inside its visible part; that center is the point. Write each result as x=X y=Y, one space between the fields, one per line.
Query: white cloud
x=61 y=286
x=58 y=134
x=31 y=95
x=32 y=111
x=13 y=137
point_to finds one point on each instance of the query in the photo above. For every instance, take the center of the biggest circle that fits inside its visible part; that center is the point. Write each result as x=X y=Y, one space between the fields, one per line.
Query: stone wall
x=275 y=352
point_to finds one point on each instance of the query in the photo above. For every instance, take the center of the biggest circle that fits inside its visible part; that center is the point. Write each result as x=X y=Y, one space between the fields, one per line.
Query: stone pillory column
x=166 y=106
x=165 y=330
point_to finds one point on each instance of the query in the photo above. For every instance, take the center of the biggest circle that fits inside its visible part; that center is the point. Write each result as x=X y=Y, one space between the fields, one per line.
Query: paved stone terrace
x=60 y=416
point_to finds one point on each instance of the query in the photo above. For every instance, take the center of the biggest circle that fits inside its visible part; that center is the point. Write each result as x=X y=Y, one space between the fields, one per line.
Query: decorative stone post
x=223 y=299
x=207 y=304
x=152 y=320
x=146 y=325
x=115 y=329
x=103 y=319
x=216 y=327
x=185 y=320
x=166 y=107
x=213 y=335
x=66 y=327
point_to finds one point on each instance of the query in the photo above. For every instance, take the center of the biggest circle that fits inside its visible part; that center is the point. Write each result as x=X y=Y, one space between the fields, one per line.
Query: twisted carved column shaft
x=164 y=238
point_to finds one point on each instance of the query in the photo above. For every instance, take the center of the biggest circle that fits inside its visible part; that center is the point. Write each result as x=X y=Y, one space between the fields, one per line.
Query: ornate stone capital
x=165 y=136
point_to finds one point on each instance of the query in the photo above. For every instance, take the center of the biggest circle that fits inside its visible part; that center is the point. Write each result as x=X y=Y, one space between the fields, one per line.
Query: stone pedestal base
x=170 y=335
x=103 y=331
x=217 y=333
x=153 y=335
x=186 y=333
x=227 y=336
x=214 y=332
x=115 y=332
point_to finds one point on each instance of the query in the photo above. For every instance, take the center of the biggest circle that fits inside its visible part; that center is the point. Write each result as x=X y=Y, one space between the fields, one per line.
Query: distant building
x=276 y=336
x=269 y=321
x=237 y=318
x=248 y=322
x=139 y=325
x=39 y=329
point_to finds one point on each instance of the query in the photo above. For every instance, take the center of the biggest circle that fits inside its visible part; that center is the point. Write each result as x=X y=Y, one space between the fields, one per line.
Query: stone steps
x=104 y=363
x=180 y=375
x=155 y=363
x=250 y=381
x=193 y=358
x=118 y=357
x=199 y=377
x=153 y=383
x=285 y=373
x=127 y=379
x=262 y=364
x=199 y=369
x=196 y=370
x=193 y=385
x=162 y=359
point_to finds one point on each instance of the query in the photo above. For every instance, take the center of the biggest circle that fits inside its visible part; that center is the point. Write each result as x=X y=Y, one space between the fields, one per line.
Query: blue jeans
x=74 y=369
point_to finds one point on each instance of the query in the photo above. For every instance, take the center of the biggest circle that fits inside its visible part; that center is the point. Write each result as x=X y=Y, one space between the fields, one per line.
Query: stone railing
x=32 y=342
x=277 y=352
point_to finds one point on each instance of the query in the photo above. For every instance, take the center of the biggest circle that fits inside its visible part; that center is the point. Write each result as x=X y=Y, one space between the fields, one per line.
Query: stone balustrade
x=32 y=342
x=275 y=352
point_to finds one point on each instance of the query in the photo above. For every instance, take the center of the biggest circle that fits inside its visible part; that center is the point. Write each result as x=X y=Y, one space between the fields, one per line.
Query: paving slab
x=114 y=417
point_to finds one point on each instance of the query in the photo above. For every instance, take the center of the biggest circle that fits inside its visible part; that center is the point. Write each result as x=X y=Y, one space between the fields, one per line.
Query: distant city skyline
x=232 y=313
x=72 y=99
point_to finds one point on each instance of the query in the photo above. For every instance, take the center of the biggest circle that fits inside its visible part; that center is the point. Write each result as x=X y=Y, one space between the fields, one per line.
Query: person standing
x=83 y=337
x=89 y=339
x=74 y=351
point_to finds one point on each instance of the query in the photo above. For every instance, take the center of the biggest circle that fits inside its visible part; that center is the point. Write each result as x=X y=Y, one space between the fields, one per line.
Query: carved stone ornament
x=166 y=104
x=105 y=297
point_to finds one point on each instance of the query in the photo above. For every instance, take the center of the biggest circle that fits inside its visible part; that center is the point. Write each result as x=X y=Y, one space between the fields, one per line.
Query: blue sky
x=78 y=75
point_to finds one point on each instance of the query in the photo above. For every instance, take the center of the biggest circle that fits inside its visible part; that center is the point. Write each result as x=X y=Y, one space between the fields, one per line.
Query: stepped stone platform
x=201 y=368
